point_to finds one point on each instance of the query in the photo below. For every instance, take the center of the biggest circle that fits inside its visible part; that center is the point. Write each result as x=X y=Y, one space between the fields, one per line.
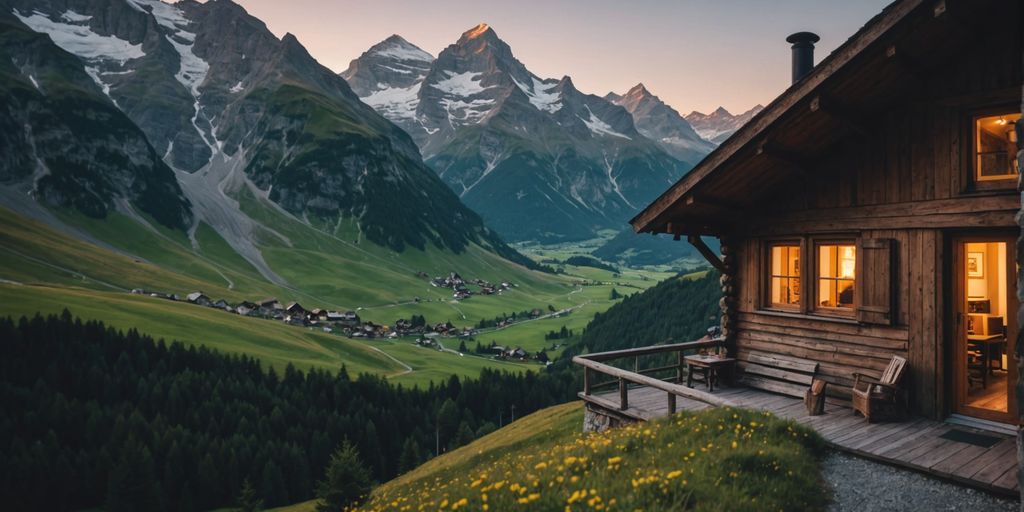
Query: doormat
x=962 y=436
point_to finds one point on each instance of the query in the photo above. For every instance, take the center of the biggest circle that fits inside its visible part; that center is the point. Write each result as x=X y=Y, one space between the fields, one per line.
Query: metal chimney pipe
x=803 y=53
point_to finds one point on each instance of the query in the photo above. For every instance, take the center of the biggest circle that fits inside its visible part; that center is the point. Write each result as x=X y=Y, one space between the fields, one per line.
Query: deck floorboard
x=915 y=443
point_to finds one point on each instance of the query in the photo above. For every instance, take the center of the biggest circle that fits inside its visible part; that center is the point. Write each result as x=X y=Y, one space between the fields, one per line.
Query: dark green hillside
x=93 y=417
x=678 y=309
x=635 y=250
x=92 y=153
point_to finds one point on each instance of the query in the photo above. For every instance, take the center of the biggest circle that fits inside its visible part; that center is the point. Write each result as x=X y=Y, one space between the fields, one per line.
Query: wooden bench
x=777 y=373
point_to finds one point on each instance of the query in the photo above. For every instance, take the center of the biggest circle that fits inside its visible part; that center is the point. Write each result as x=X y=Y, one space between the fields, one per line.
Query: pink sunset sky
x=694 y=54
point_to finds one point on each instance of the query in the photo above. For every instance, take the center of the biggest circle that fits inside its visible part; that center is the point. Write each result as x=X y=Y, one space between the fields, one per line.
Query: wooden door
x=985 y=326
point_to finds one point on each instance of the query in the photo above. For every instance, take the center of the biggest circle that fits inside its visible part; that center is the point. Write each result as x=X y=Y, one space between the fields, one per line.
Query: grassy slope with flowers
x=719 y=459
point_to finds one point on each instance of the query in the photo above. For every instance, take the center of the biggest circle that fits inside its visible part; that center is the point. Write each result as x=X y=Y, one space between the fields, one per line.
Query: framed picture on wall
x=975 y=265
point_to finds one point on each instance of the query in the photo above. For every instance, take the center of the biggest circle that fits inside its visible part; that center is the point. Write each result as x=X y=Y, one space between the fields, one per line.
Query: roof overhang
x=884 y=64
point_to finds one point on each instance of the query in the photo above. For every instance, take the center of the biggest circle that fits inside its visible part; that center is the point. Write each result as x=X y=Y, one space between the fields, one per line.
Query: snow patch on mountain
x=74 y=17
x=404 y=52
x=463 y=112
x=541 y=95
x=599 y=127
x=166 y=15
x=395 y=102
x=192 y=69
x=460 y=84
x=81 y=40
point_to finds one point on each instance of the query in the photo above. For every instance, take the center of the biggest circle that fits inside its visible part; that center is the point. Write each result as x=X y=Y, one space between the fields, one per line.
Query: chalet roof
x=886 y=63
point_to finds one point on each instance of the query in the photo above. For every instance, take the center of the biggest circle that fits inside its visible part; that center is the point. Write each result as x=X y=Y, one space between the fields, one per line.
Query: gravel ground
x=862 y=485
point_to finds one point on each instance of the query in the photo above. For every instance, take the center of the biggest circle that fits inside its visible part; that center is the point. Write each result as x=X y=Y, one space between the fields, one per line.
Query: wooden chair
x=880 y=399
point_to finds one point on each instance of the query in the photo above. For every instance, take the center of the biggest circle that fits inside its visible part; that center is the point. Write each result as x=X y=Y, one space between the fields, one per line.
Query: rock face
x=65 y=141
x=720 y=124
x=218 y=95
x=537 y=158
x=387 y=77
x=662 y=124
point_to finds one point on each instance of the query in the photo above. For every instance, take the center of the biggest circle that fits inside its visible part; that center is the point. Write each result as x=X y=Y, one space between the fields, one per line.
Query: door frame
x=959 y=322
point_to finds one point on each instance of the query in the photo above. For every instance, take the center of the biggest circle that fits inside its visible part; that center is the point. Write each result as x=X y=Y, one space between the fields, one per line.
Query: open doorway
x=985 y=306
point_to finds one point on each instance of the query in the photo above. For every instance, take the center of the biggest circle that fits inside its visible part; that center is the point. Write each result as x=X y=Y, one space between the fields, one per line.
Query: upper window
x=837 y=267
x=784 y=289
x=995 y=148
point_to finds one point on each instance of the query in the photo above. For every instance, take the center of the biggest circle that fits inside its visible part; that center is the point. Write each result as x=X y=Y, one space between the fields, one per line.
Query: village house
x=868 y=239
x=198 y=298
x=268 y=306
x=246 y=308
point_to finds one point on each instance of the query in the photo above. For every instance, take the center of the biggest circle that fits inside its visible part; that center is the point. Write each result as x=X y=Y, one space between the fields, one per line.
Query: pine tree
x=133 y=482
x=410 y=457
x=247 y=499
x=463 y=436
x=346 y=481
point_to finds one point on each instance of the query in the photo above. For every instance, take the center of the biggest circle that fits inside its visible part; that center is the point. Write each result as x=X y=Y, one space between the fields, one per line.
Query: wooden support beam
x=623 y=394
x=671 y=403
x=706 y=251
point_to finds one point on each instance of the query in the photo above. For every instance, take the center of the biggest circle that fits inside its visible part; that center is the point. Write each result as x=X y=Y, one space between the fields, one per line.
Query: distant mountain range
x=661 y=123
x=720 y=124
x=537 y=158
x=176 y=110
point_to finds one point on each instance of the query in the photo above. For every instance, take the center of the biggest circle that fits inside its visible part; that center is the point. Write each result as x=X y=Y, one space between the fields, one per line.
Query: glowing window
x=784 y=288
x=995 y=147
x=837 y=267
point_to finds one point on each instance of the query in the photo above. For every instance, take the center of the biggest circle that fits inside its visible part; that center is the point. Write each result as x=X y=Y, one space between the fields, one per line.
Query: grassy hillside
x=274 y=343
x=720 y=459
x=325 y=266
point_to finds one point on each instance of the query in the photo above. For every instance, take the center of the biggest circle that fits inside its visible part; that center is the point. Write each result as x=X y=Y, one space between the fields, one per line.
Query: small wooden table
x=990 y=345
x=709 y=367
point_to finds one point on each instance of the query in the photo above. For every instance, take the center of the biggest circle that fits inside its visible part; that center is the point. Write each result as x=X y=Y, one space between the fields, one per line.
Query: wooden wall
x=842 y=346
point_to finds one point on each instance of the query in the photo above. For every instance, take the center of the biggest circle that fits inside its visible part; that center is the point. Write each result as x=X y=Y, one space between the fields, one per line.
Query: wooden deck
x=914 y=444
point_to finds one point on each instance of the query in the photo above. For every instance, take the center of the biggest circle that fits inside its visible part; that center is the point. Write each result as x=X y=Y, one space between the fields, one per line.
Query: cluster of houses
x=461 y=291
x=347 y=323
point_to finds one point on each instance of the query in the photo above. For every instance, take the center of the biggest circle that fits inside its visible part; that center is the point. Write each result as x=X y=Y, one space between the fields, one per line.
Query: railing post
x=586 y=380
x=671 y=403
x=682 y=364
x=623 y=394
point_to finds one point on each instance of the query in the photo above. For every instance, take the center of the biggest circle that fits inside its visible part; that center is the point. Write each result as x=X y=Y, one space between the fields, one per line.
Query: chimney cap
x=803 y=38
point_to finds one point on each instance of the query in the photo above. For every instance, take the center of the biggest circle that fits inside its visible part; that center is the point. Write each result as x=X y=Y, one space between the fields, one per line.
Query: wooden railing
x=596 y=364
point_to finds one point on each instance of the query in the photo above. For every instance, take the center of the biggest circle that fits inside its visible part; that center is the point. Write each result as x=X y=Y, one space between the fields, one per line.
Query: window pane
x=995 y=147
x=827 y=261
x=837 y=268
x=844 y=297
x=847 y=261
x=784 y=281
x=777 y=260
x=826 y=293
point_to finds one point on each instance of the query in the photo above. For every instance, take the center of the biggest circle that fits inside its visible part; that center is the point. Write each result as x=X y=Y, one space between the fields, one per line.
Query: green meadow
x=46 y=269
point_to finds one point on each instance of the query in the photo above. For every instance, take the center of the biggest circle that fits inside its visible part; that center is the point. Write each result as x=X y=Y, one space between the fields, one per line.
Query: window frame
x=835 y=311
x=971 y=165
x=768 y=276
x=808 y=307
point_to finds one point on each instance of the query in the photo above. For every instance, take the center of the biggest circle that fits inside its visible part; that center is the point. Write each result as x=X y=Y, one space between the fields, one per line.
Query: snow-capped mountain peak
x=534 y=156
x=398 y=48
x=661 y=123
x=478 y=31
x=720 y=124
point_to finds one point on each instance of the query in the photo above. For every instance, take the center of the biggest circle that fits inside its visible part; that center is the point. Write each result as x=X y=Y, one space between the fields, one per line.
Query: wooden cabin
x=869 y=211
